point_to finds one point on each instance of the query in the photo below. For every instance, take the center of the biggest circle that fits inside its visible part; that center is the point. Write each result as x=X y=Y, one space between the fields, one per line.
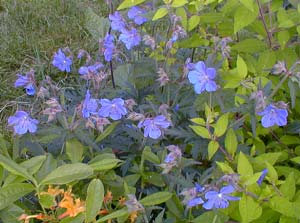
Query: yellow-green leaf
x=179 y=3
x=94 y=199
x=213 y=147
x=201 y=131
x=231 y=142
x=221 y=125
x=160 y=13
x=249 y=209
x=156 y=198
x=129 y=3
x=193 y=22
x=244 y=167
x=241 y=67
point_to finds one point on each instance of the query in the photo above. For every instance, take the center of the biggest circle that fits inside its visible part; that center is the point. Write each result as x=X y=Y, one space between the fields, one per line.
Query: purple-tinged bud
x=279 y=68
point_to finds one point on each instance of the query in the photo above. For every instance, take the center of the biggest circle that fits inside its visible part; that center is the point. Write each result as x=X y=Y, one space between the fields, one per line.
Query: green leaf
x=285 y=207
x=13 y=192
x=296 y=159
x=156 y=198
x=96 y=25
x=107 y=131
x=68 y=173
x=33 y=164
x=160 y=13
x=129 y=3
x=249 y=46
x=47 y=200
x=248 y=4
x=201 y=131
x=243 y=17
x=221 y=125
x=213 y=147
x=179 y=3
x=241 y=67
x=116 y=214
x=14 y=168
x=74 y=150
x=272 y=173
x=150 y=156
x=94 y=199
x=225 y=168
x=211 y=216
x=77 y=219
x=244 y=167
x=193 y=22
x=249 y=209
x=105 y=164
x=194 y=41
x=231 y=142
x=11 y=214
x=288 y=188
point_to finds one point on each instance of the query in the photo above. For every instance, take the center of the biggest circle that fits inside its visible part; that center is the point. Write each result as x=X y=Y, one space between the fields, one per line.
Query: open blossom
x=114 y=109
x=117 y=21
x=89 y=106
x=61 y=61
x=136 y=14
x=22 y=123
x=203 y=78
x=27 y=82
x=273 y=115
x=130 y=38
x=219 y=199
x=153 y=126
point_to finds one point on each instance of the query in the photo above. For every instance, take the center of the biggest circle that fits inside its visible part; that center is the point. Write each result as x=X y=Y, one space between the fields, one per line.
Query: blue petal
x=227 y=189
x=194 y=77
x=195 y=202
x=208 y=205
x=154 y=133
x=200 y=67
x=211 y=73
x=210 y=86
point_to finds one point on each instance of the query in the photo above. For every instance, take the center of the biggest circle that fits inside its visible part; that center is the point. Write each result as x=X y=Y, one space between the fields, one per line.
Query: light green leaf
x=231 y=142
x=248 y=4
x=156 y=198
x=249 y=209
x=288 y=188
x=211 y=216
x=272 y=173
x=225 y=168
x=33 y=164
x=241 y=67
x=77 y=219
x=213 y=147
x=249 y=46
x=160 y=13
x=179 y=3
x=193 y=22
x=221 y=125
x=47 y=200
x=116 y=214
x=296 y=159
x=68 y=173
x=201 y=131
x=129 y=3
x=74 y=150
x=94 y=199
x=243 y=17
x=150 y=156
x=13 y=192
x=105 y=164
x=107 y=131
x=194 y=41
x=244 y=167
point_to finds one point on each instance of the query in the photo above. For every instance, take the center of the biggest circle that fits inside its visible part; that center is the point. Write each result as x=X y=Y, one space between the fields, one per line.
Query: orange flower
x=74 y=207
x=103 y=212
x=53 y=191
x=27 y=218
x=122 y=201
x=133 y=216
x=108 y=197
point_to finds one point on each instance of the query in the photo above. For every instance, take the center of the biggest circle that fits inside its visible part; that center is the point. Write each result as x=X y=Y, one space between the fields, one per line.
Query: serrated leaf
x=107 y=131
x=129 y=3
x=213 y=147
x=231 y=142
x=13 y=192
x=116 y=214
x=68 y=173
x=160 y=13
x=244 y=167
x=74 y=150
x=241 y=67
x=156 y=198
x=221 y=125
x=249 y=209
x=94 y=199
x=201 y=131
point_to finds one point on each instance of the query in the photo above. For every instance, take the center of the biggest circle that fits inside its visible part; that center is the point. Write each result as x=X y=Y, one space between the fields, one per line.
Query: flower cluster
x=273 y=115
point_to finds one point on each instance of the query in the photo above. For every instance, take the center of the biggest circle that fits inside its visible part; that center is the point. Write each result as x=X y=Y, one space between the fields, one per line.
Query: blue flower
x=273 y=116
x=113 y=109
x=203 y=78
x=194 y=202
x=92 y=69
x=109 y=47
x=199 y=188
x=61 y=61
x=130 y=38
x=89 y=105
x=153 y=126
x=136 y=13
x=22 y=123
x=27 y=82
x=117 y=21
x=262 y=176
x=219 y=199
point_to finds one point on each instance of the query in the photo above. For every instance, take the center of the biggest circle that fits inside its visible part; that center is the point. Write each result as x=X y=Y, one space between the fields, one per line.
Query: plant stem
x=279 y=84
x=261 y=13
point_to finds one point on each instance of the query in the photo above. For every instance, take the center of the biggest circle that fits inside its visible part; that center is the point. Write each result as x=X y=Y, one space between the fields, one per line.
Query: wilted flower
x=219 y=199
x=109 y=47
x=61 y=61
x=54 y=108
x=129 y=103
x=90 y=70
x=134 y=116
x=172 y=159
x=260 y=100
x=101 y=123
x=273 y=115
x=130 y=38
x=262 y=176
x=149 y=41
x=279 y=67
x=222 y=45
x=136 y=13
x=117 y=21
x=22 y=123
x=113 y=109
x=178 y=32
x=43 y=92
x=191 y=197
x=27 y=82
x=153 y=126
x=133 y=205
x=163 y=77
x=89 y=106
x=203 y=78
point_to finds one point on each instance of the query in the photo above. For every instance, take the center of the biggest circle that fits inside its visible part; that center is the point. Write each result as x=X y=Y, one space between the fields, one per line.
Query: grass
x=30 y=32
